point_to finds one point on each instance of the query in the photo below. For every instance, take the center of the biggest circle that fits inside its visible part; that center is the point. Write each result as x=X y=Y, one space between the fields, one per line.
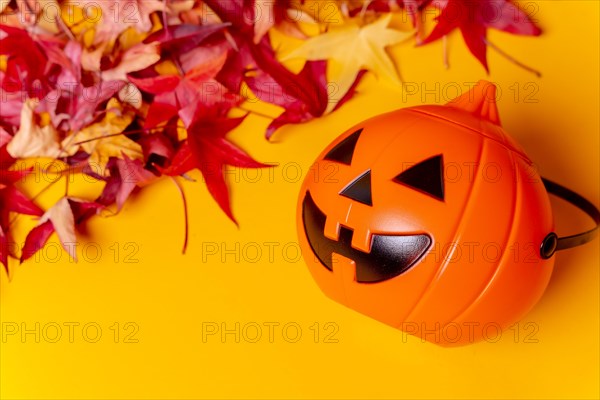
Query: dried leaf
x=119 y=15
x=136 y=58
x=103 y=139
x=32 y=140
x=264 y=15
x=59 y=218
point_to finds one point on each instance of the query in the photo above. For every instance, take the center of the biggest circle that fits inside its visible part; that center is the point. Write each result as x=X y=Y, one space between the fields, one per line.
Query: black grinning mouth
x=390 y=255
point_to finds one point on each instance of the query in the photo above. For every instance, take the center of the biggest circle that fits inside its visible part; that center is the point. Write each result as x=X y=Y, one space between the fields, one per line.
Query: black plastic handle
x=552 y=242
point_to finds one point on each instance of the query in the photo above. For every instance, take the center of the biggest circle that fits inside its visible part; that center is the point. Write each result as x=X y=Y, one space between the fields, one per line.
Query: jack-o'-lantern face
x=389 y=255
x=409 y=215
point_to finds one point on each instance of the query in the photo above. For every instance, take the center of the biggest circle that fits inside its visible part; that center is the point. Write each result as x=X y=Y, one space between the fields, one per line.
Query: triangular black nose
x=360 y=189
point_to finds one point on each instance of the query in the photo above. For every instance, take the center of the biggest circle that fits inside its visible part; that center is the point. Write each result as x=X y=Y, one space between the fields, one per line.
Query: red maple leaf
x=178 y=39
x=125 y=175
x=474 y=17
x=208 y=150
x=60 y=219
x=75 y=106
x=175 y=93
x=36 y=239
x=12 y=200
x=303 y=96
x=26 y=62
x=261 y=55
x=199 y=65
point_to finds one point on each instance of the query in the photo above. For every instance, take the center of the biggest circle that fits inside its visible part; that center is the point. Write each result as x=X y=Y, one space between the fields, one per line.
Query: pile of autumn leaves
x=126 y=91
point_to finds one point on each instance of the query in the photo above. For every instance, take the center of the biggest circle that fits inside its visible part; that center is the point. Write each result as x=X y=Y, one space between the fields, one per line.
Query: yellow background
x=169 y=295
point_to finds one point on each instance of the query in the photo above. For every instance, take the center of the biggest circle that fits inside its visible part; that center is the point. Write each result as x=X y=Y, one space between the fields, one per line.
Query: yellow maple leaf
x=353 y=48
x=78 y=20
x=102 y=140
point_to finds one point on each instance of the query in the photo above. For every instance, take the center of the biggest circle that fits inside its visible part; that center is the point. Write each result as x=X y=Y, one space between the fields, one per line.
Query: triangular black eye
x=344 y=150
x=427 y=177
